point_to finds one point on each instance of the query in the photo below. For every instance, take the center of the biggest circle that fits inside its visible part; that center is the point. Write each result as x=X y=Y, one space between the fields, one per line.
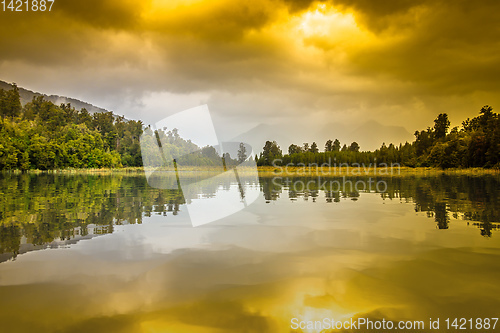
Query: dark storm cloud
x=450 y=47
x=218 y=20
x=379 y=15
x=387 y=57
x=120 y=14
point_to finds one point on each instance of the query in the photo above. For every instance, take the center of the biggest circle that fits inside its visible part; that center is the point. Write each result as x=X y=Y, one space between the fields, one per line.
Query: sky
x=298 y=66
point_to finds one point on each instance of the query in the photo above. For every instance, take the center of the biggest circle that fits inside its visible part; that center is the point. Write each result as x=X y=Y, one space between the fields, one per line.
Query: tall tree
x=10 y=102
x=354 y=147
x=14 y=101
x=336 y=145
x=329 y=145
x=441 y=125
x=314 y=148
x=294 y=149
x=270 y=153
x=242 y=153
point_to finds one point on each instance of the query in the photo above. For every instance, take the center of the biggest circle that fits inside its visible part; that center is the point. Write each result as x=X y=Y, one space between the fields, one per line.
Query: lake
x=109 y=253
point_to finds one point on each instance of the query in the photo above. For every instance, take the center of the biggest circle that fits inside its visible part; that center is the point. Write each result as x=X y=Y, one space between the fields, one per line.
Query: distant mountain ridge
x=27 y=96
x=369 y=134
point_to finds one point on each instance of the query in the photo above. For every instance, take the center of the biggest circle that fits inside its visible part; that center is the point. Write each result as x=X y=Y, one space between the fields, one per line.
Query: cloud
x=441 y=48
x=117 y=14
x=403 y=62
x=219 y=20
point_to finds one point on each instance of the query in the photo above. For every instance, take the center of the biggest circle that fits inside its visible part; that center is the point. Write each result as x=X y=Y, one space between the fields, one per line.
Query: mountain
x=369 y=135
x=257 y=137
x=27 y=96
x=372 y=134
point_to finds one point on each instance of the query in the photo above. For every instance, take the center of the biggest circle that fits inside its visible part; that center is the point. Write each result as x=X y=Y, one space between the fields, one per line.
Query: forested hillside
x=42 y=135
x=475 y=144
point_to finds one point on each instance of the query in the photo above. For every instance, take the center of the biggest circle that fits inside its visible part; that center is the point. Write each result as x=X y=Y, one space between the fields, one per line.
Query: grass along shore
x=269 y=171
x=394 y=171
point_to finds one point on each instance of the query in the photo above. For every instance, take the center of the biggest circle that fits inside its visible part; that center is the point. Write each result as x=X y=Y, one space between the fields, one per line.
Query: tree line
x=161 y=148
x=475 y=144
x=42 y=135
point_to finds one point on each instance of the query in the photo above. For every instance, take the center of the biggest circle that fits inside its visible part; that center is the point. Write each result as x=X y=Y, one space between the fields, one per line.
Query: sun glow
x=325 y=26
x=320 y=20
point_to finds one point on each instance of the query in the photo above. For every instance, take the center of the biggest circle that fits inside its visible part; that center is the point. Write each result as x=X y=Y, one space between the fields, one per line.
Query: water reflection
x=442 y=197
x=306 y=254
x=50 y=210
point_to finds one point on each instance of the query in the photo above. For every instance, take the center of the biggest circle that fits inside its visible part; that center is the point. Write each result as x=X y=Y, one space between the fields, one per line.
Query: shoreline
x=269 y=171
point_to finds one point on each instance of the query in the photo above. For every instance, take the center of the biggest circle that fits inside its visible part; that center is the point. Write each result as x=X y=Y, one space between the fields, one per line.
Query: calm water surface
x=108 y=253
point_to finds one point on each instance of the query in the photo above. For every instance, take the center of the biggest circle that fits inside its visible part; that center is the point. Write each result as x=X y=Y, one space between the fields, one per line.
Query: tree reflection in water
x=38 y=211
